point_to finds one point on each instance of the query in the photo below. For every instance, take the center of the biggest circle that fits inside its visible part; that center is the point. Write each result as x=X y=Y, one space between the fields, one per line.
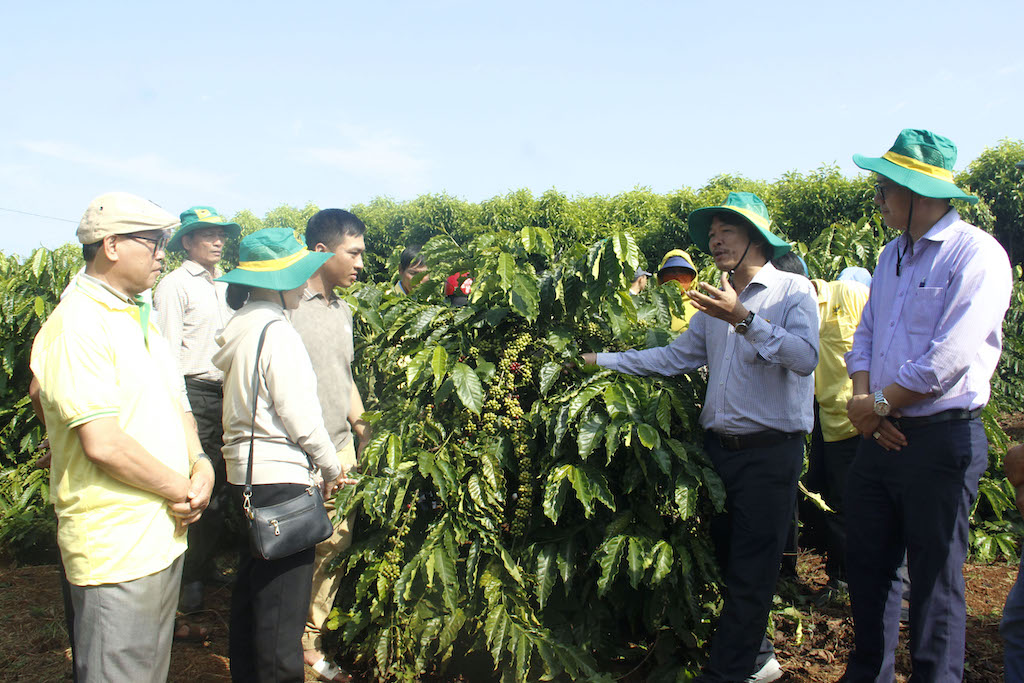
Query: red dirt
x=33 y=643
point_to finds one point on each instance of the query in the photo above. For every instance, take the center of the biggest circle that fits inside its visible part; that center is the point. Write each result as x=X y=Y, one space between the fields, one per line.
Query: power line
x=37 y=215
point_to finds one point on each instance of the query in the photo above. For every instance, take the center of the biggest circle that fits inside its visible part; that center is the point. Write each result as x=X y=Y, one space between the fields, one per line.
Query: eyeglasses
x=880 y=190
x=159 y=243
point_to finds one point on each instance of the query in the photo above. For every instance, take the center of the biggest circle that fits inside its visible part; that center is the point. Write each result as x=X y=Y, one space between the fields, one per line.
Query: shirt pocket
x=924 y=309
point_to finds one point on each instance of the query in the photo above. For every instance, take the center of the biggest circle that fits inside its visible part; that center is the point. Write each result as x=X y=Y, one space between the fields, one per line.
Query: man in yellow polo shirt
x=677 y=267
x=128 y=474
x=839 y=307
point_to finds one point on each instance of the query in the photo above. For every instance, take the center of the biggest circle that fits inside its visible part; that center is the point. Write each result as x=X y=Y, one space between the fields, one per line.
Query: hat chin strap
x=283 y=304
x=732 y=271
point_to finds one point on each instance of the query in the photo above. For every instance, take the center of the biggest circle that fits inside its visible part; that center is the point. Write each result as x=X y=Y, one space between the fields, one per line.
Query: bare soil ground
x=813 y=648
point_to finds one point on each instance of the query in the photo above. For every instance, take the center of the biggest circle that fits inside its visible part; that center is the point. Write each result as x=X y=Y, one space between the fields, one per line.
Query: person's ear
x=321 y=247
x=110 y=247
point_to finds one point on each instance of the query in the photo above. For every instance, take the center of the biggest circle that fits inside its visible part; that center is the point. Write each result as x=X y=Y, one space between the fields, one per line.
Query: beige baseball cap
x=120 y=213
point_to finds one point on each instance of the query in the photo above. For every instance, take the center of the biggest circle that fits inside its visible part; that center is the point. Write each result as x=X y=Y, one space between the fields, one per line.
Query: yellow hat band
x=919 y=166
x=754 y=218
x=274 y=264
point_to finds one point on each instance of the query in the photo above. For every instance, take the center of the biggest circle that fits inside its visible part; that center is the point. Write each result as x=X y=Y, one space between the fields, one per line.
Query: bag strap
x=247 y=492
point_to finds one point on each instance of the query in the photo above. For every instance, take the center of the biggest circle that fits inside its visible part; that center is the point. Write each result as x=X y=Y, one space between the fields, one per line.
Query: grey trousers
x=123 y=631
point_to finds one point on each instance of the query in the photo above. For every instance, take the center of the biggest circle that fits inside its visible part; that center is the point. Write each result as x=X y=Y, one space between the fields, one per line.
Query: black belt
x=945 y=416
x=764 y=439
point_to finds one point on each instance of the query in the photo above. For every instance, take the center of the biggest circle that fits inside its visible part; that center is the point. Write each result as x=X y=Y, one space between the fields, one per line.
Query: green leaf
x=444 y=569
x=468 y=387
x=415 y=367
x=394 y=452
x=439 y=365
x=451 y=630
x=485 y=370
x=626 y=249
x=549 y=372
x=590 y=433
x=585 y=396
x=497 y=629
x=546 y=241
x=383 y=650
x=38 y=257
x=665 y=413
x=523 y=649
x=662 y=459
x=662 y=556
x=635 y=562
x=554 y=492
x=528 y=235
x=506 y=270
x=615 y=402
x=475 y=491
x=649 y=436
x=610 y=554
x=510 y=566
x=545 y=573
x=40 y=307
x=525 y=296
x=716 y=488
x=495 y=315
x=685 y=499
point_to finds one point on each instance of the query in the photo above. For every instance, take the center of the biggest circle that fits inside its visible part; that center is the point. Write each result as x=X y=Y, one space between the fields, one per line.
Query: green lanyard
x=144 y=310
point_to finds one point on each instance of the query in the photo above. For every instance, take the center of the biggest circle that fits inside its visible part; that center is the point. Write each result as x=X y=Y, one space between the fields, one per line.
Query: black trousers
x=749 y=537
x=920 y=499
x=837 y=458
x=204 y=536
x=269 y=604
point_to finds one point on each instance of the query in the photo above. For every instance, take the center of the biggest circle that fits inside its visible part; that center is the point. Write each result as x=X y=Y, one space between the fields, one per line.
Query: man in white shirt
x=191 y=308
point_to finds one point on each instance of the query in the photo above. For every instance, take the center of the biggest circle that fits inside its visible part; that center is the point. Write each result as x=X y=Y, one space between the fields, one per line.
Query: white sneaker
x=771 y=671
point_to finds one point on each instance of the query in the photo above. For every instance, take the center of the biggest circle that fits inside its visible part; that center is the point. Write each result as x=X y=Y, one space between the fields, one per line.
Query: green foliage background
x=549 y=522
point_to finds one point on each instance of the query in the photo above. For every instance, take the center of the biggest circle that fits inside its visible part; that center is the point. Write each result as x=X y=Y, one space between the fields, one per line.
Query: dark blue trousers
x=760 y=489
x=920 y=498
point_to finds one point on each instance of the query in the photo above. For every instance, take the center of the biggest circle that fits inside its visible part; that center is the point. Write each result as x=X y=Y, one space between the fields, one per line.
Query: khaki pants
x=325 y=584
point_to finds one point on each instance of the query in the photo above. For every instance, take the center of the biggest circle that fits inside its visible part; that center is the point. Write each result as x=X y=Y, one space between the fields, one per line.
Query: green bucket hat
x=202 y=217
x=747 y=206
x=272 y=258
x=920 y=161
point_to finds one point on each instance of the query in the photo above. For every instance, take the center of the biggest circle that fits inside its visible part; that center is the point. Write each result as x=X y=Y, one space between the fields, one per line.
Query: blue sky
x=253 y=105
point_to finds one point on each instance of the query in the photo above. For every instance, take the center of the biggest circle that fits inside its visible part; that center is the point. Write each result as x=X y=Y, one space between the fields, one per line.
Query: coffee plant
x=512 y=504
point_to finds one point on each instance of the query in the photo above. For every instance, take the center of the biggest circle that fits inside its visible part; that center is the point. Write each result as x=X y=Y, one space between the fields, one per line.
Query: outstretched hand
x=722 y=303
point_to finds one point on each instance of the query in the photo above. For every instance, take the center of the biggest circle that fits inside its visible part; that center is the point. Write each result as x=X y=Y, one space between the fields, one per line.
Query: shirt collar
x=943 y=228
x=766 y=276
x=193 y=268
x=102 y=292
x=308 y=295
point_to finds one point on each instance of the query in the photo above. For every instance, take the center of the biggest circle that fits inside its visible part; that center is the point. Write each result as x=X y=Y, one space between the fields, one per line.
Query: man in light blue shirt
x=928 y=342
x=758 y=336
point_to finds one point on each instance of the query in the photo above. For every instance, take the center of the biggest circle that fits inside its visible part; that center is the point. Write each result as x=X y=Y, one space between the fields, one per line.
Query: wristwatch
x=201 y=456
x=744 y=325
x=882 y=406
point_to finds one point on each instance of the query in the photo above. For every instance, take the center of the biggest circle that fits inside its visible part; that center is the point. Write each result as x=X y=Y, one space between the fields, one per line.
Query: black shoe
x=191 y=597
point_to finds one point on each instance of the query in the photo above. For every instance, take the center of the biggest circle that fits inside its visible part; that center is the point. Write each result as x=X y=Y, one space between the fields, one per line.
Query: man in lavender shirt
x=758 y=336
x=928 y=342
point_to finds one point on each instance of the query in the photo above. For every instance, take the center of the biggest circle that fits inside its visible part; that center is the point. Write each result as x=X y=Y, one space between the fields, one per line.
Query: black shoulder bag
x=280 y=530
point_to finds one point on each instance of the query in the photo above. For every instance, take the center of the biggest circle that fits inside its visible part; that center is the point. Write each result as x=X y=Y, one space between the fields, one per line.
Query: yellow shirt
x=839 y=308
x=92 y=360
